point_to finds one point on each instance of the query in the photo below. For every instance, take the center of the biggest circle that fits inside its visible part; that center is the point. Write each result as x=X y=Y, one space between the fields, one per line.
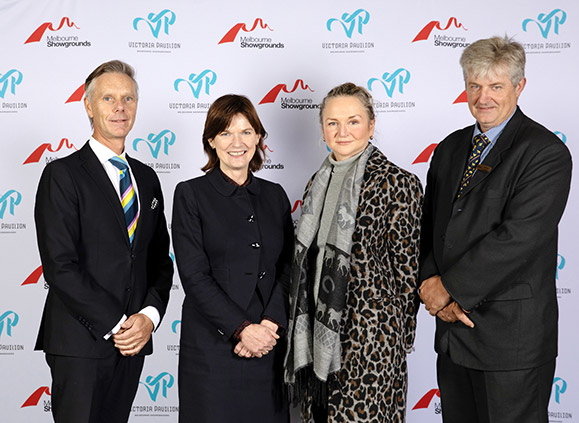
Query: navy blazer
x=95 y=275
x=496 y=246
x=230 y=241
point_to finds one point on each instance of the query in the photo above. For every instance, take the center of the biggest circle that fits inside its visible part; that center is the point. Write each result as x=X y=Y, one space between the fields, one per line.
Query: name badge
x=483 y=168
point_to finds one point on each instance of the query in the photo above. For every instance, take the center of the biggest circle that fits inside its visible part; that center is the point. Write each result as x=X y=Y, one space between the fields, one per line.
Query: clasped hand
x=438 y=302
x=257 y=339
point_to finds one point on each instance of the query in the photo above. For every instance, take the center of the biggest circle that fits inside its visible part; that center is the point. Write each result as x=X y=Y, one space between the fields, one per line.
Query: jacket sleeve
x=277 y=307
x=194 y=268
x=159 y=264
x=58 y=231
x=403 y=250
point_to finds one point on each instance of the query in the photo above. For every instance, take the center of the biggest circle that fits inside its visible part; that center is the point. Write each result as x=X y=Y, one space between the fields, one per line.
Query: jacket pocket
x=518 y=291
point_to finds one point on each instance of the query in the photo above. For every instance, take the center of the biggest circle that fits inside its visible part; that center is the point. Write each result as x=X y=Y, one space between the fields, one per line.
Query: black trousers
x=86 y=390
x=477 y=396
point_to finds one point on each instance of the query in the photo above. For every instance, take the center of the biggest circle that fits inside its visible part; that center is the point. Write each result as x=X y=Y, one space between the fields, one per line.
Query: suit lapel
x=95 y=170
x=493 y=160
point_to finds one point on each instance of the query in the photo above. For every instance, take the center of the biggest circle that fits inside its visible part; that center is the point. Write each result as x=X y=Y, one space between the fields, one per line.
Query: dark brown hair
x=219 y=118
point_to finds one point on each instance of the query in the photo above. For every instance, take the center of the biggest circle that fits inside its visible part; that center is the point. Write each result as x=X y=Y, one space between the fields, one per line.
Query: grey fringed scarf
x=320 y=351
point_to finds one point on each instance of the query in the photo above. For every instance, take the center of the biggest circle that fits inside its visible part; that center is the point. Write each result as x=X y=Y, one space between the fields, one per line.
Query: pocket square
x=154 y=203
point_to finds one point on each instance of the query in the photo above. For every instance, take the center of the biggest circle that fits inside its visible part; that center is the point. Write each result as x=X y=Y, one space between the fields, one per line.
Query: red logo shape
x=425 y=155
x=297 y=204
x=34 y=399
x=272 y=95
x=424 y=402
x=232 y=33
x=37 y=154
x=462 y=98
x=37 y=35
x=425 y=32
x=266 y=147
x=77 y=95
x=34 y=277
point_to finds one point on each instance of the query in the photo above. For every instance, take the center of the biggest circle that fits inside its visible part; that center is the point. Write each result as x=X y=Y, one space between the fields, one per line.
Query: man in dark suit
x=104 y=247
x=495 y=194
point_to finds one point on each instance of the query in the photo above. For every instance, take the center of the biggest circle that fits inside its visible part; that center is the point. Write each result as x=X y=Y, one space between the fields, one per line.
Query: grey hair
x=114 y=66
x=483 y=57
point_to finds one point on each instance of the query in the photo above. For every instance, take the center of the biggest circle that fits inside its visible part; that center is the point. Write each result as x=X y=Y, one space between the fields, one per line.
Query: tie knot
x=481 y=139
x=119 y=162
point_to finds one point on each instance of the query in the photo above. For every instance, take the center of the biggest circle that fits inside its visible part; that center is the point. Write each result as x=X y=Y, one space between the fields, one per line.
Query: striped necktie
x=480 y=143
x=128 y=198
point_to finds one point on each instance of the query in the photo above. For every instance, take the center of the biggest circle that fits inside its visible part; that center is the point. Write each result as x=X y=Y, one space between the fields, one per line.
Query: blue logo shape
x=165 y=138
x=162 y=382
x=11 y=320
x=560 y=265
x=560 y=386
x=400 y=77
x=9 y=81
x=9 y=200
x=562 y=136
x=196 y=82
x=174 y=325
x=556 y=18
x=162 y=20
x=356 y=20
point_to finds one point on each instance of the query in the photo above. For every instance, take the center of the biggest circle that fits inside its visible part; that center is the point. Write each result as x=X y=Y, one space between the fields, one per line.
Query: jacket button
x=261 y=275
x=255 y=245
x=251 y=219
x=221 y=332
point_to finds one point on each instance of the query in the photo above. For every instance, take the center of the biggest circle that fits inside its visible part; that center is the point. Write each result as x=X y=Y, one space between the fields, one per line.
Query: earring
x=323 y=139
x=371 y=137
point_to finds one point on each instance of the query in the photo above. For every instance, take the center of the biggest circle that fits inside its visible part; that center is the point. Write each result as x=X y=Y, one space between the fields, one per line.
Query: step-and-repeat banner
x=284 y=56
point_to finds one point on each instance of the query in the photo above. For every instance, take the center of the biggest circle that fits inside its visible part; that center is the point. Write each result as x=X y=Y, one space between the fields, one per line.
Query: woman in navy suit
x=233 y=237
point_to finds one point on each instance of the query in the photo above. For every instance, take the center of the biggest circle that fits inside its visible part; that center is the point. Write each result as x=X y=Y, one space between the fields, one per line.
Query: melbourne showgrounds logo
x=34 y=399
x=427 y=400
x=158 y=26
x=9 y=81
x=546 y=28
x=158 y=144
x=453 y=39
x=62 y=39
x=392 y=84
x=351 y=26
x=291 y=102
x=196 y=84
x=34 y=278
x=64 y=144
x=260 y=39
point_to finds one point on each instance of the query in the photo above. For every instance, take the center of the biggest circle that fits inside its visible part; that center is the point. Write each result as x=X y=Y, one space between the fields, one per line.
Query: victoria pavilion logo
x=9 y=81
x=9 y=201
x=8 y=320
x=547 y=21
x=161 y=21
x=350 y=22
x=197 y=83
x=155 y=142
x=391 y=81
x=160 y=383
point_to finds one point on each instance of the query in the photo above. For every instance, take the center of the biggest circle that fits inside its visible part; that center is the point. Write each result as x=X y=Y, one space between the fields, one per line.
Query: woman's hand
x=257 y=339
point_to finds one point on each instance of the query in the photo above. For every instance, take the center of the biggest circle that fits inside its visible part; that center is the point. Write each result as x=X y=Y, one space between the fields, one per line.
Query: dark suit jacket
x=94 y=275
x=496 y=246
x=233 y=249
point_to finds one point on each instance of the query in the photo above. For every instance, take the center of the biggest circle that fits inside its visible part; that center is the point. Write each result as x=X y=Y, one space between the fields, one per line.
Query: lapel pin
x=154 y=203
x=484 y=168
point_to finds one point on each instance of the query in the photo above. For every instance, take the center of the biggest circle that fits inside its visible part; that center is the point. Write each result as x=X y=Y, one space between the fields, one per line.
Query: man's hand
x=454 y=313
x=258 y=339
x=434 y=295
x=241 y=351
x=135 y=332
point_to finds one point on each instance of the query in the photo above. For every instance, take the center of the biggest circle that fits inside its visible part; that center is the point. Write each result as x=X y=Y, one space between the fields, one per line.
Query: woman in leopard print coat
x=375 y=309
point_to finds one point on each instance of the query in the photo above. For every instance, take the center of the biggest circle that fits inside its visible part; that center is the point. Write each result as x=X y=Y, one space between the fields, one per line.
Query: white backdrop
x=284 y=57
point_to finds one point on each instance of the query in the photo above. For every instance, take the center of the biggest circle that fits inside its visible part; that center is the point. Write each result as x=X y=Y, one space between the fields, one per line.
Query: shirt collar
x=103 y=153
x=493 y=133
